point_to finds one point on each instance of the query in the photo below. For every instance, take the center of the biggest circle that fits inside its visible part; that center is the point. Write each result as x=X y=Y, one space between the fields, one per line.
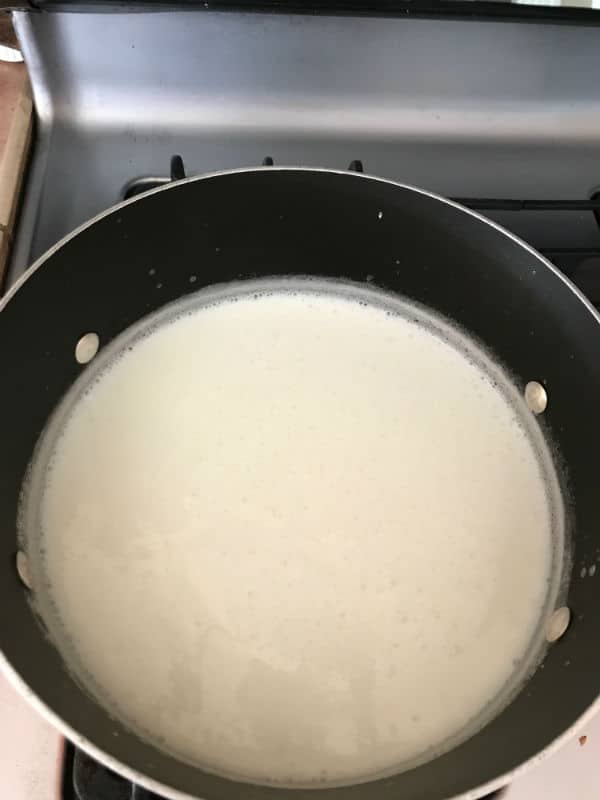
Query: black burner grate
x=85 y=779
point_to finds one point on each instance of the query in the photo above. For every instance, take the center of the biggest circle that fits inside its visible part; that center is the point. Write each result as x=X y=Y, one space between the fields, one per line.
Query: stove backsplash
x=463 y=108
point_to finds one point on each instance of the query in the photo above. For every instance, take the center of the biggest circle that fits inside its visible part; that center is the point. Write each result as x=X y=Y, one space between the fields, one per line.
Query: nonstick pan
x=140 y=255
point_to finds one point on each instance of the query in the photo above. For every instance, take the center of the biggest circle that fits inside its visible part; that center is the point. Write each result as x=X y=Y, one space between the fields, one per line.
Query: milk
x=298 y=533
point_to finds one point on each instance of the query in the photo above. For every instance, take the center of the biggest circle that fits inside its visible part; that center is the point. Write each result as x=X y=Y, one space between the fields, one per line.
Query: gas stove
x=463 y=99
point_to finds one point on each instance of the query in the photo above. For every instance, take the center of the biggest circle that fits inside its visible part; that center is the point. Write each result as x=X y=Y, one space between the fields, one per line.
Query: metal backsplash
x=501 y=109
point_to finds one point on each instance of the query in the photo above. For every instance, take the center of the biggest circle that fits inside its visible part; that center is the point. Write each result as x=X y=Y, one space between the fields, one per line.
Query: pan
x=137 y=257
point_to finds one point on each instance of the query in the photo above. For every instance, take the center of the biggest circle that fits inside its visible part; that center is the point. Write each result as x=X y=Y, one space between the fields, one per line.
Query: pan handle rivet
x=23 y=568
x=536 y=397
x=558 y=624
x=87 y=347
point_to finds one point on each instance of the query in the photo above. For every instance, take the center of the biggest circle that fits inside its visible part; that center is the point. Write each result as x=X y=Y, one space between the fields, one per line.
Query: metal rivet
x=558 y=624
x=87 y=347
x=536 y=397
x=23 y=568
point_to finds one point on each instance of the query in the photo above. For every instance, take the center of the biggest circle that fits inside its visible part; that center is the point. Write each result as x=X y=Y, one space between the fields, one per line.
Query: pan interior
x=294 y=731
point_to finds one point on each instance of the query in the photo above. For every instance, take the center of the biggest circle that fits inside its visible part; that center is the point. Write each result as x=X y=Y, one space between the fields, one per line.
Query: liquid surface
x=294 y=538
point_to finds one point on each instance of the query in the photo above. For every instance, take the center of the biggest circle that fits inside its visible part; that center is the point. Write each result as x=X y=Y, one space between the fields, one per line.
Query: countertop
x=15 y=136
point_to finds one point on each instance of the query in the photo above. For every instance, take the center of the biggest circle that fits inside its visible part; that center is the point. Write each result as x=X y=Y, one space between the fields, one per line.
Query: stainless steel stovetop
x=464 y=108
x=467 y=108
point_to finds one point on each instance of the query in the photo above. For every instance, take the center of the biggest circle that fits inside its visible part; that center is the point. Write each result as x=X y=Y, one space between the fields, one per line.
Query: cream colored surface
x=31 y=750
x=15 y=132
x=295 y=539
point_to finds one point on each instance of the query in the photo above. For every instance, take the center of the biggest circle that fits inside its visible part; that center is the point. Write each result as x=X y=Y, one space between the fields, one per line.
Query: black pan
x=140 y=255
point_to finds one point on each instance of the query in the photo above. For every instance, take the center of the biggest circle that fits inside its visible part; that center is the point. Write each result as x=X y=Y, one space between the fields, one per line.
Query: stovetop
x=465 y=108
x=500 y=115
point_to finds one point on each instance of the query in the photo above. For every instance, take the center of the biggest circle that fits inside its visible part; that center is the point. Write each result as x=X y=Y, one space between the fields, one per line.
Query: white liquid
x=295 y=538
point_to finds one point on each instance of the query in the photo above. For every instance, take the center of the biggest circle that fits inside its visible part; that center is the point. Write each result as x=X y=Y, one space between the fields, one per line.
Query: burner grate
x=84 y=778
